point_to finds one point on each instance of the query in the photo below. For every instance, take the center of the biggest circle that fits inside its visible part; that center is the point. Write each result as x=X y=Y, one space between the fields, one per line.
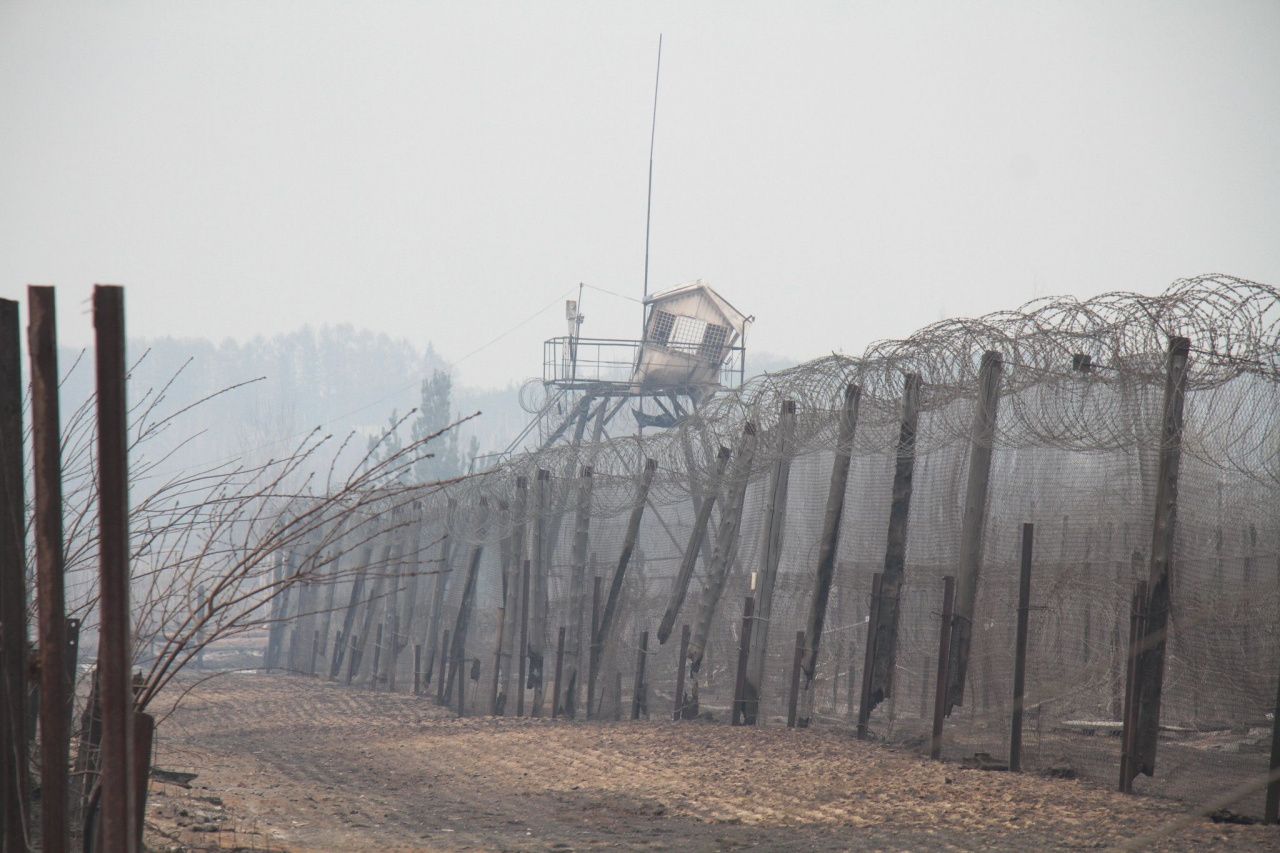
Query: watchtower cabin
x=692 y=346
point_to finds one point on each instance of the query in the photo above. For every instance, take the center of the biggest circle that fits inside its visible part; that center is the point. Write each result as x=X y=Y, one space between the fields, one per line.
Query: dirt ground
x=290 y=763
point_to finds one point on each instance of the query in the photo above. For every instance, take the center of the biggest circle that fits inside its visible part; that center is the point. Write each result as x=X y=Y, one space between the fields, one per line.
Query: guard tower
x=692 y=346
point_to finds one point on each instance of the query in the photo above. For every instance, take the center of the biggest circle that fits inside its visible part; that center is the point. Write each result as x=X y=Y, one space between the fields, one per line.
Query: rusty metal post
x=14 y=782
x=1020 y=649
x=114 y=653
x=524 y=638
x=796 y=662
x=46 y=450
x=593 y=661
x=740 y=711
x=639 y=705
x=944 y=658
x=869 y=656
x=681 y=663
x=555 y=696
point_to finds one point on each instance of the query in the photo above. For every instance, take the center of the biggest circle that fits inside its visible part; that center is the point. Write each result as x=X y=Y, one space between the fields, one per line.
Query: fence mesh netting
x=1078 y=440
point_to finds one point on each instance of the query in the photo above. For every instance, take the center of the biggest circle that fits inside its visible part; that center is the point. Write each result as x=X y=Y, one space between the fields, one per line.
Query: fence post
x=497 y=705
x=771 y=552
x=442 y=587
x=417 y=669
x=680 y=586
x=443 y=680
x=593 y=662
x=740 y=714
x=1272 y=812
x=726 y=546
x=869 y=655
x=678 y=712
x=1137 y=616
x=14 y=783
x=50 y=598
x=467 y=604
x=884 y=664
x=115 y=652
x=624 y=559
x=944 y=660
x=513 y=613
x=577 y=589
x=349 y=618
x=827 y=547
x=794 y=695
x=539 y=588
x=377 y=657
x=973 y=522
x=524 y=637
x=639 y=703
x=555 y=695
x=1150 y=670
x=1020 y=649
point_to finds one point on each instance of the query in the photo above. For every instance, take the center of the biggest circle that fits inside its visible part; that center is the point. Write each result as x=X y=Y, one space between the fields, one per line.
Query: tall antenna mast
x=648 y=208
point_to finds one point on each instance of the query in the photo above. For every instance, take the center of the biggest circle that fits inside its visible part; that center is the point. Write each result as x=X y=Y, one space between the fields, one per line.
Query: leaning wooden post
x=1151 y=650
x=443 y=681
x=593 y=662
x=740 y=698
x=1136 y=614
x=524 y=636
x=793 y=696
x=512 y=612
x=349 y=618
x=678 y=712
x=680 y=587
x=55 y=723
x=944 y=659
x=539 y=589
x=14 y=782
x=114 y=645
x=639 y=704
x=1020 y=649
x=726 y=546
x=771 y=555
x=442 y=587
x=496 y=699
x=466 y=606
x=555 y=696
x=603 y=630
x=973 y=523
x=884 y=665
x=827 y=547
x=869 y=656
x=577 y=590
x=1272 y=811
x=417 y=669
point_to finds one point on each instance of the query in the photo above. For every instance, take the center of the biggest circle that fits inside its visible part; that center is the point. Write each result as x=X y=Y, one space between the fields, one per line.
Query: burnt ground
x=296 y=764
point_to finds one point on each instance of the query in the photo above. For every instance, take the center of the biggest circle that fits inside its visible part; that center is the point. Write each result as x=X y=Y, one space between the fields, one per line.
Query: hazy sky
x=843 y=171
